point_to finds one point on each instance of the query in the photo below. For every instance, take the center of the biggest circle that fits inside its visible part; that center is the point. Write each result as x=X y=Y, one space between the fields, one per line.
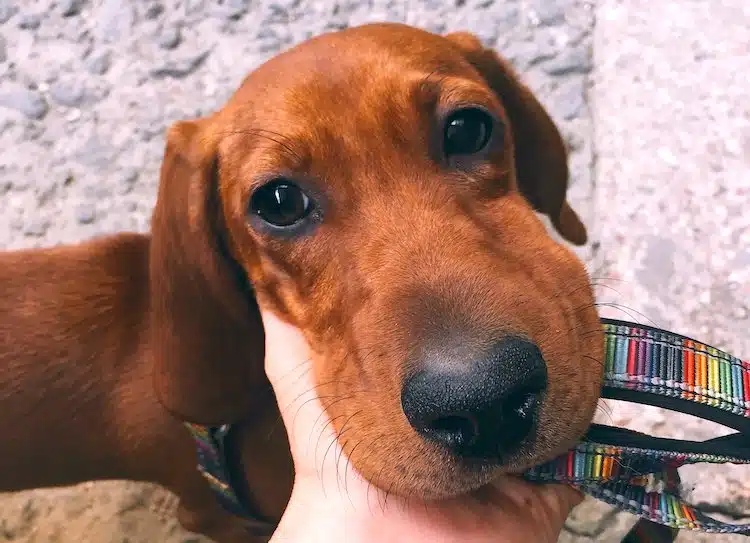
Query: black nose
x=483 y=408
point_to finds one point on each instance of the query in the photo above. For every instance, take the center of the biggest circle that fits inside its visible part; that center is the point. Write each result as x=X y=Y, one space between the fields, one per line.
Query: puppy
x=376 y=187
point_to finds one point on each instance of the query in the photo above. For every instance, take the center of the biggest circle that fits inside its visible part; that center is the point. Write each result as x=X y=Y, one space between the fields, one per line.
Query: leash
x=632 y=471
x=636 y=472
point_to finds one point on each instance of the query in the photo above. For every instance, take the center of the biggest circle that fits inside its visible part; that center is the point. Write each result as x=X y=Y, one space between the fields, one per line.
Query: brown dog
x=376 y=187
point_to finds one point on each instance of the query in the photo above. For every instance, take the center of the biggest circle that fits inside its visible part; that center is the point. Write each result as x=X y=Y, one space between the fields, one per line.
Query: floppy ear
x=208 y=336
x=541 y=159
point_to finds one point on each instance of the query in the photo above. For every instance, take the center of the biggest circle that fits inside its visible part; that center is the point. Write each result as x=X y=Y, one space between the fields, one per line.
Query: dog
x=379 y=188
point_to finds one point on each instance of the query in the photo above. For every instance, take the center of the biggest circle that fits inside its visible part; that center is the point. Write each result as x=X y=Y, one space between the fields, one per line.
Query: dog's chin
x=460 y=476
x=464 y=482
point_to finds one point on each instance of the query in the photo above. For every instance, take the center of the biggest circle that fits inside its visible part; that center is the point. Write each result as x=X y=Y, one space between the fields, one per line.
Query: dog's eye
x=467 y=131
x=280 y=203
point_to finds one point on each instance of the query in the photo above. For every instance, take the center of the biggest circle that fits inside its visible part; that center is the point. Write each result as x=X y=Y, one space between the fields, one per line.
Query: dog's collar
x=634 y=472
x=214 y=463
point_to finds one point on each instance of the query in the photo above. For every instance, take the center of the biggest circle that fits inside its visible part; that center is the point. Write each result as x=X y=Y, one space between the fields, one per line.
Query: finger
x=561 y=499
x=557 y=500
x=289 y=368
x=287 y=351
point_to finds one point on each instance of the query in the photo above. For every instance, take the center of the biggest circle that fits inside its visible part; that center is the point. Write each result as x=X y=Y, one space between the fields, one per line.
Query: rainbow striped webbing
x=636 y=472
x=632 y=471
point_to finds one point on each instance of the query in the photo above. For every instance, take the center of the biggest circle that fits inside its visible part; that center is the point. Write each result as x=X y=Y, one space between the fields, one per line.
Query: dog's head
x=377 y=188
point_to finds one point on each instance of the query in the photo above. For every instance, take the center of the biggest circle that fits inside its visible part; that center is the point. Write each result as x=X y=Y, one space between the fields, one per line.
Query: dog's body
x=76 y=395
x=87 y=331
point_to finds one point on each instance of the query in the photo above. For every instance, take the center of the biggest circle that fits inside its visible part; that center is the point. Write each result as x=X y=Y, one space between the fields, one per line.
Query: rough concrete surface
x=659 y=133
x=672 y=189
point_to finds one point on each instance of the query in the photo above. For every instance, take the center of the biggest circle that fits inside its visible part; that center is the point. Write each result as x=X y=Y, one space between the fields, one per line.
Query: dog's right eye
x=467 y=131
x=280 y=203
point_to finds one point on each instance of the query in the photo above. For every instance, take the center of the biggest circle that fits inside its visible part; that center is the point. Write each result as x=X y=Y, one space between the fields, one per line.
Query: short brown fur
x=97 y=339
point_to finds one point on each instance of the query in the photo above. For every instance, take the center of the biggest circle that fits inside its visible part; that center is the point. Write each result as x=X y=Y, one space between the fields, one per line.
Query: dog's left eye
x=467 y=131
x=280 y=203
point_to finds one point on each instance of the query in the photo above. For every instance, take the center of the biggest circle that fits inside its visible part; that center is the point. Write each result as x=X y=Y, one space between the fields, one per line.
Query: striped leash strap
x=636 y=472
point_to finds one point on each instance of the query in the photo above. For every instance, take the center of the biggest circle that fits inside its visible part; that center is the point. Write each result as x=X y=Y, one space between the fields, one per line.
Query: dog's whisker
x=611 y=289
x=362 y=357
x=371 y=449
x=592 y=284
x=317 y=448
x=343 y=444
x=614 y=279
x=315 y=397
x=593 y=359
x=597 y=331
x=573 y=291
x=340 y=399
x=584 y=307
x=280 y=419
x=309 y=391
x=378 y=489
x=346 y=470
x=575 y=329
x=305 y=366
x=341 y=448
x=334 y=437
x=606 y=410
x=387 y=494
x=336 y=399
x=627 y=310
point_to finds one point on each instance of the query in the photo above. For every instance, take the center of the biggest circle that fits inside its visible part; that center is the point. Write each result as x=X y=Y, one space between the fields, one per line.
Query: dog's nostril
x=457 y=431
x=518 y=412
x=521 y=405
x=484 y=409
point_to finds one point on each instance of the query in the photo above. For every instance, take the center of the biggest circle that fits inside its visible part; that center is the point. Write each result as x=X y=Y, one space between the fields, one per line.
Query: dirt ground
x=108 y=512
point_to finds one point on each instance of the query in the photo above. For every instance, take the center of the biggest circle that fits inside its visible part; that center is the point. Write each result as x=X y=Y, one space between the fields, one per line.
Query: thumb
x=289 y=368
x=561 y=499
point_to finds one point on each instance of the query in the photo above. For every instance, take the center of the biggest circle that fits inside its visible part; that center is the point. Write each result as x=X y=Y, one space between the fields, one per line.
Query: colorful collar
x=632 y=471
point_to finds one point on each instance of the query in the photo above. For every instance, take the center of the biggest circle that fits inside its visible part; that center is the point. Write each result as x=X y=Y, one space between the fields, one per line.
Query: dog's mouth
x=446 y=448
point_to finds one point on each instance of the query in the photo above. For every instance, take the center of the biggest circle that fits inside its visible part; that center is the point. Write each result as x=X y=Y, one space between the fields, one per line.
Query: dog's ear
x=208 y=336
x=541 y=158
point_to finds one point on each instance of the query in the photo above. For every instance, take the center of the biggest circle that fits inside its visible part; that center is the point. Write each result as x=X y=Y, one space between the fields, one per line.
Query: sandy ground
x=651 y=97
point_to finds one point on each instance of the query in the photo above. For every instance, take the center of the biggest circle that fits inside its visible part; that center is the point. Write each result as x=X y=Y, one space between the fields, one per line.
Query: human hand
x=330 y=504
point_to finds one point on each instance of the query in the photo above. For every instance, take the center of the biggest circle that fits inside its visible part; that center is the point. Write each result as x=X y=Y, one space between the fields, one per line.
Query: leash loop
x=636 y=472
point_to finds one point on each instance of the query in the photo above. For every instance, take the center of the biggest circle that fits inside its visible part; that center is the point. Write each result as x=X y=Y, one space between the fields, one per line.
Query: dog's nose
x=483 y=408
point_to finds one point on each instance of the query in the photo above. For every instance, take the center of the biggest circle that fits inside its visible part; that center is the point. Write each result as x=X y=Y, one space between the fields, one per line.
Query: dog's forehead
x=343 y=103
x=348 y=65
